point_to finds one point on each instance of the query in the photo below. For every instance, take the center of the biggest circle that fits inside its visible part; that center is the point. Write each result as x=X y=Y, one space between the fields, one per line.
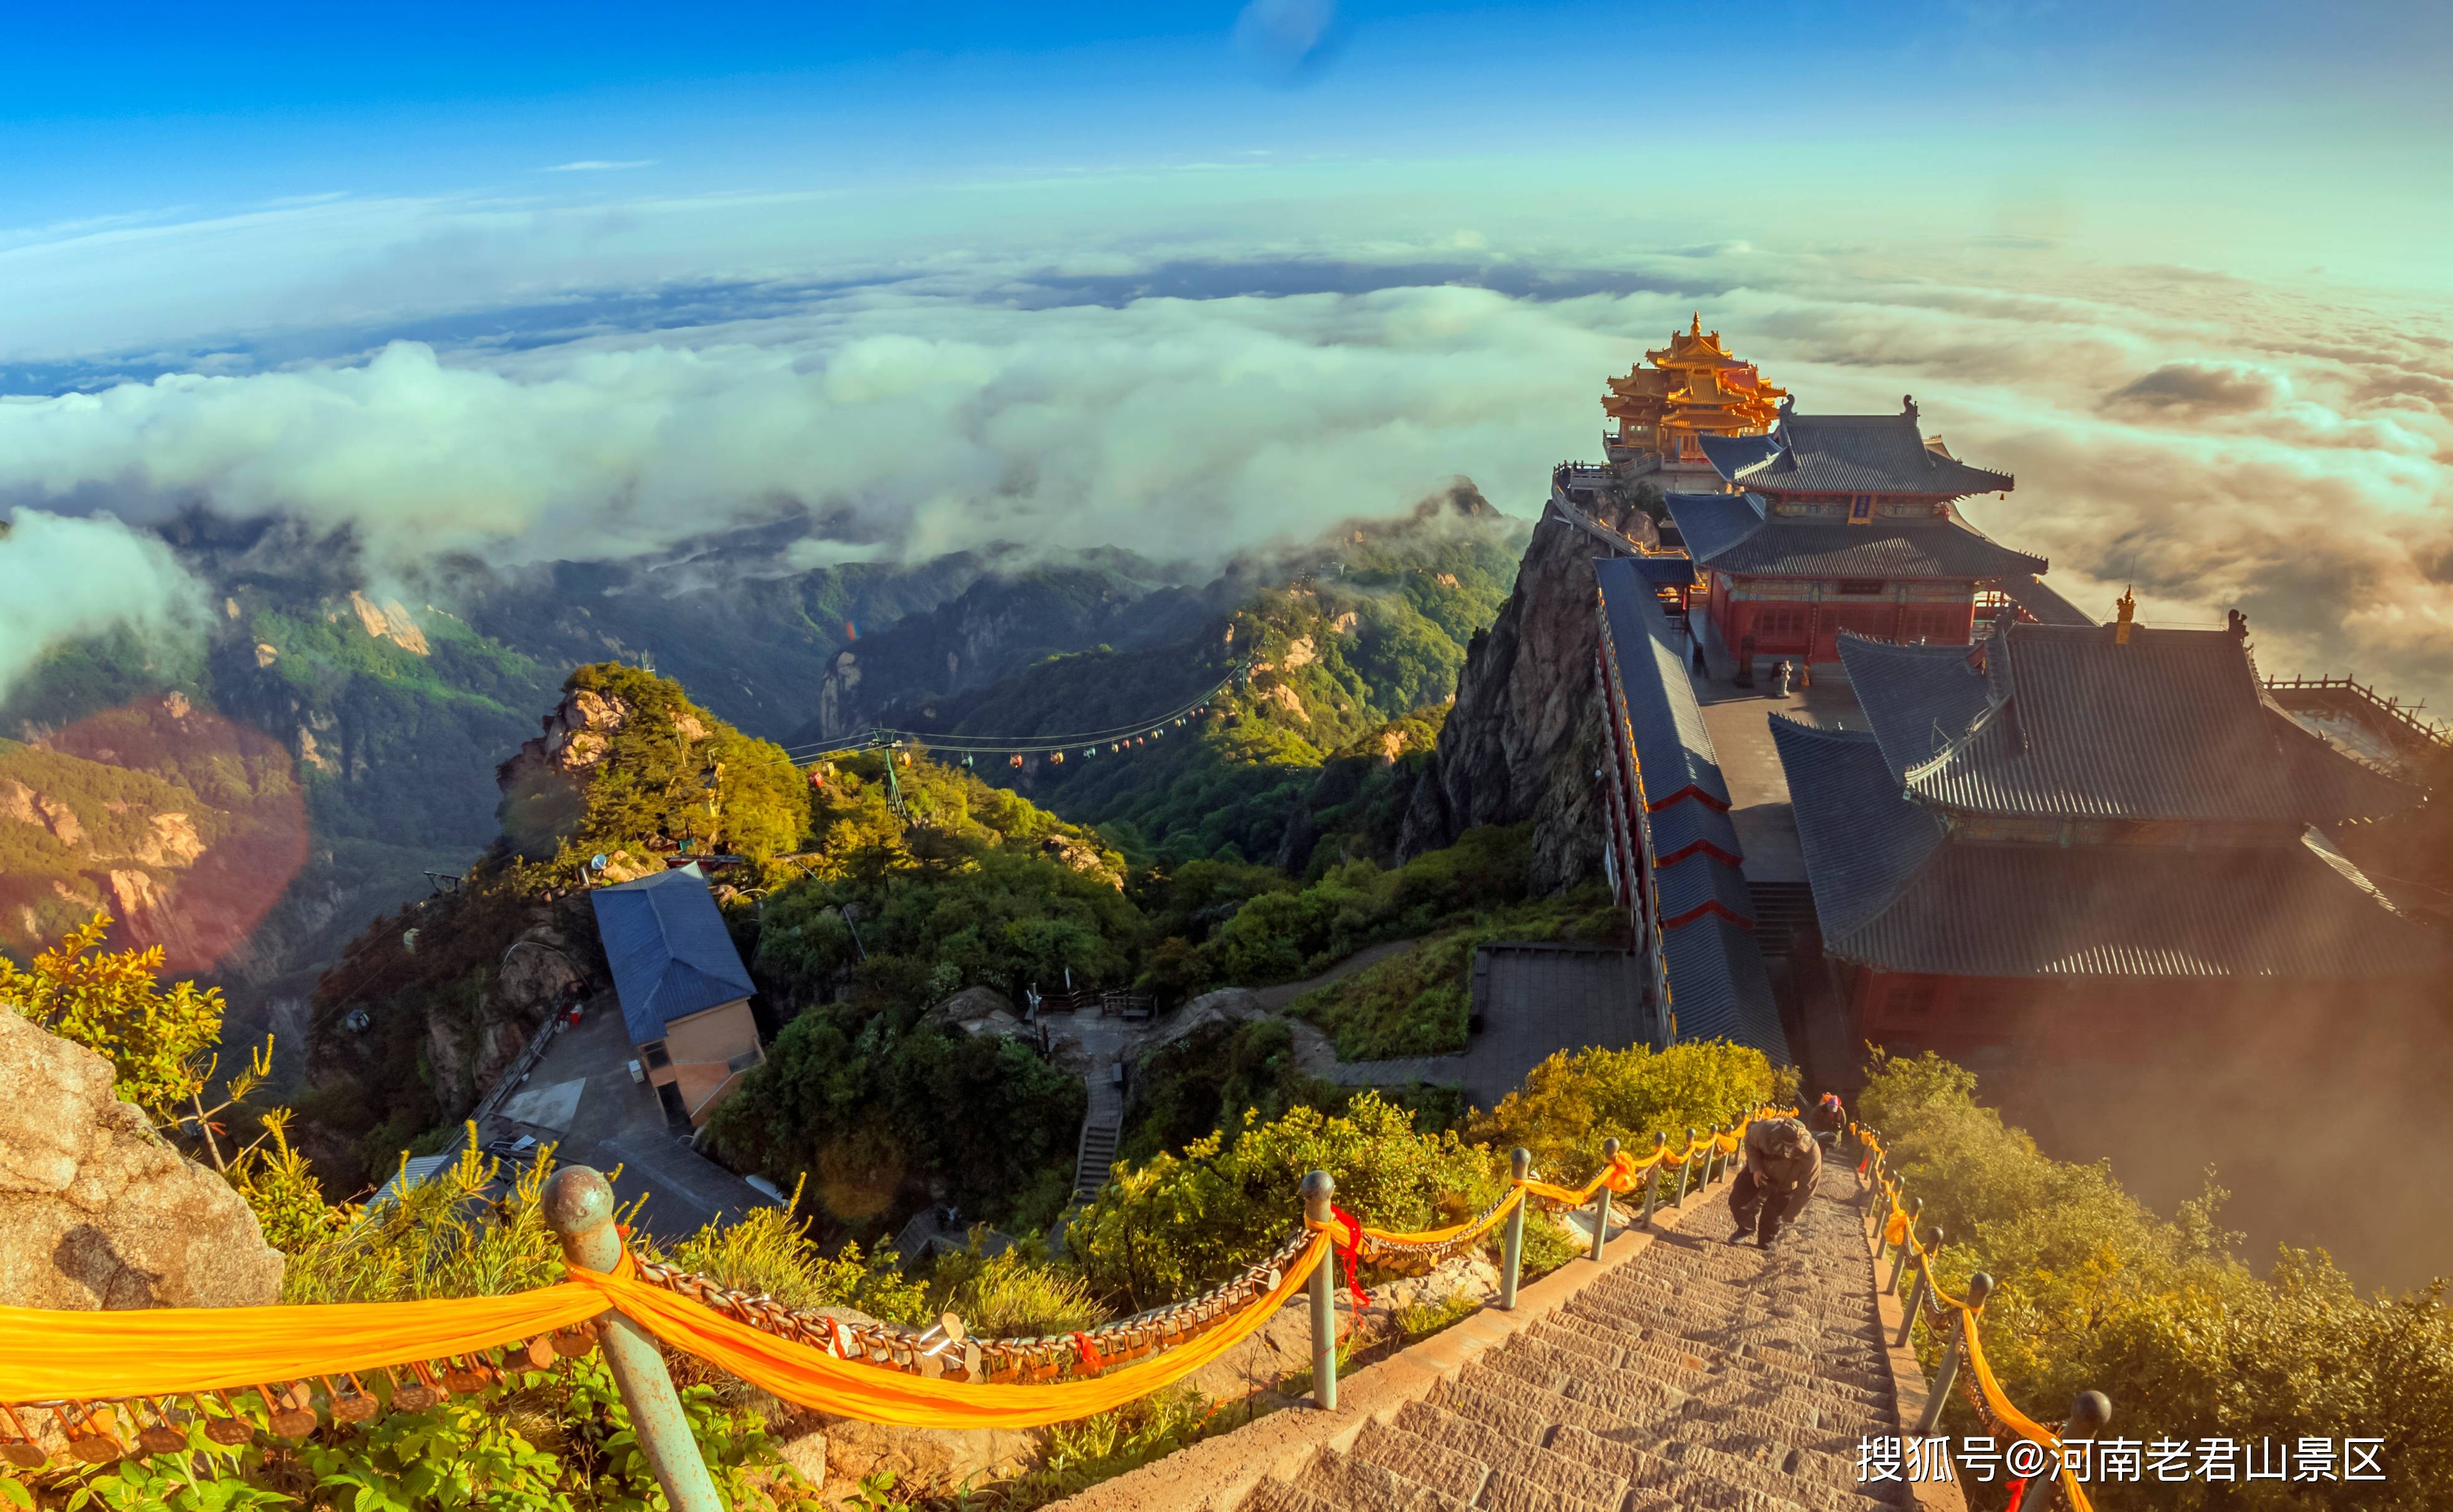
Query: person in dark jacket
x=1828 y=1120
x=1782 y=1161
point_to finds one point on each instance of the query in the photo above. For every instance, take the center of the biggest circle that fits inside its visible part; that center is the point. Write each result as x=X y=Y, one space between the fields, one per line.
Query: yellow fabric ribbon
x=49 y=1356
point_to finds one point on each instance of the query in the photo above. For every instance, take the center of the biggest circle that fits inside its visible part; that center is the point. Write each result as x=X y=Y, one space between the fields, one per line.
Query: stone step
x=1521 y=1472
x=1356 y=1484
x=1700 y=1377
x=1276 y=1496
x=1422 y=1461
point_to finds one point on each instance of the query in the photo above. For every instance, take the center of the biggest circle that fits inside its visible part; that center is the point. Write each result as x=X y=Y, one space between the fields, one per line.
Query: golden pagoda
x=1693 y=388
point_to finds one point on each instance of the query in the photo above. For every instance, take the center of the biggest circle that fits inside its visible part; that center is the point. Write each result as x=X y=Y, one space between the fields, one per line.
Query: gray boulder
x=96 y=1212
x=976 y=1010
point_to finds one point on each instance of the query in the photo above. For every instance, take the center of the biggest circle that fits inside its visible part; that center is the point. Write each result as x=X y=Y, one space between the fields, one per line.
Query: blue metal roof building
x=669 y=951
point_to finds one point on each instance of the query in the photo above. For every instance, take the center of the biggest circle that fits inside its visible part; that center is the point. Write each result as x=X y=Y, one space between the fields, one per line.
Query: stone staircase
x=1700 y=1374
x=1102 y=1125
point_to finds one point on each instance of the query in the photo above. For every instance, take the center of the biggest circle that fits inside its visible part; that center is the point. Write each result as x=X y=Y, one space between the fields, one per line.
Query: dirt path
x=1278 y=997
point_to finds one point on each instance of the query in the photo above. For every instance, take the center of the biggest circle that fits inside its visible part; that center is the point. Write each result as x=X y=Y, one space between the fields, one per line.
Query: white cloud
x=599 y=165
x=65 y=577
x=2228 y=443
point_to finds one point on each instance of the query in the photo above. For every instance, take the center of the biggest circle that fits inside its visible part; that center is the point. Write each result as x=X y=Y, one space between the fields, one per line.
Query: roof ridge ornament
x=2124 y=609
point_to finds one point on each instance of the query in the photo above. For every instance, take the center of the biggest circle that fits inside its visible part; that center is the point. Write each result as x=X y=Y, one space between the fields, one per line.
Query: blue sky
x=546 y=280
x=2254 y=133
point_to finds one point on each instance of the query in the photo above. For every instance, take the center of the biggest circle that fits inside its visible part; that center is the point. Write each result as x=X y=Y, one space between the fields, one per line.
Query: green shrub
x=1573 y=1101
x=669 y=770
x=1015 y=1294
x=2096 y=1292
x=1199 y=1084
x=1417 y=1003
x=869 y=1109
x=1165 y=1228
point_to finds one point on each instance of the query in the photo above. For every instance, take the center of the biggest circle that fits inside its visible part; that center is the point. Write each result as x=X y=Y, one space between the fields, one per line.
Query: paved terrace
x=1536 y=1001
x=1679 y=1372
x=1740 y=721
x=581 y=1097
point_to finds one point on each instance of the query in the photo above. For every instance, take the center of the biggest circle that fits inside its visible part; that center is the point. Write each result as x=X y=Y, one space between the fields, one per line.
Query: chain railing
x=97 y=1374
x=1958 y=1321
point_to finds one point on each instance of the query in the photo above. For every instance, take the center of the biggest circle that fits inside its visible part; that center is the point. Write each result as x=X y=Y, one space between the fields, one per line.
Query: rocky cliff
x=96 y=1212
x=1525 y=732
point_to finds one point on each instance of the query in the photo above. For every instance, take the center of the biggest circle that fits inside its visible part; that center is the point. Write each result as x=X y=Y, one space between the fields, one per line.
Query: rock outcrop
x=96 y=1212
x=976 y=1010
x=1525 y=701
x=539 y=974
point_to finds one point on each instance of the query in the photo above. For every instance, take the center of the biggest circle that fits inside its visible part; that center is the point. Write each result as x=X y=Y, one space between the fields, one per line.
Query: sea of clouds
x=2217 y=442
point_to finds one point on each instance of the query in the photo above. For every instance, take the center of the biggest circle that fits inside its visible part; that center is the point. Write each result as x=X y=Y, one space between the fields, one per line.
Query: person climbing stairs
x=1699 y=1375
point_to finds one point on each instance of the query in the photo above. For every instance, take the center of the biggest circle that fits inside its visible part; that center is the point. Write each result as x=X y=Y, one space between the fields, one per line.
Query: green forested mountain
x=1347 y=668
x=392 y=706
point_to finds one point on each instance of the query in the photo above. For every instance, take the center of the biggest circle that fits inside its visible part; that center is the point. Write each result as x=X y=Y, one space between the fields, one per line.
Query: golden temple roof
x=1694 y=386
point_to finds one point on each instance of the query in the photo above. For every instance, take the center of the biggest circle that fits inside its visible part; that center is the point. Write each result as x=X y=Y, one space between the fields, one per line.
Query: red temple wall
x=2064 y=1021
x=1797 y=626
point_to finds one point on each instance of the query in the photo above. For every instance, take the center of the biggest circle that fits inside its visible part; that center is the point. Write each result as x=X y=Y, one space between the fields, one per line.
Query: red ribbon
x=1090 y=1353
x=2018 y=1494
x=1352 y=1251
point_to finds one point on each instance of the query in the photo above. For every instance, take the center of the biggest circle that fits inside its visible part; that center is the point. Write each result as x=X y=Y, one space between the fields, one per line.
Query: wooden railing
x=2433 y=732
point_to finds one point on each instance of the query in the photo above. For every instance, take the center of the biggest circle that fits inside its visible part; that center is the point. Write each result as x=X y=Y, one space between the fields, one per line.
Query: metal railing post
x=579 y=1208
x=1520 y=1164
x=1319 y=1190
x=1916 y=1287
x=1979 y=1288
x=1908 y=1245
x=1686 y=1166
x=2089 y=1414
x=1652 y=1176
x=1602 y=1203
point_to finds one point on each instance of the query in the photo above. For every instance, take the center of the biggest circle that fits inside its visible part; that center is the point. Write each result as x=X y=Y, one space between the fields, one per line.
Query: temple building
x=1672 y=854
x=2069 y=841
x=1837 y=524
x=1694 y=388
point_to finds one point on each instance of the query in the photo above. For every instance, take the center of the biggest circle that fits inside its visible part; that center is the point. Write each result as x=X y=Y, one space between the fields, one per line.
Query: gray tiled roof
x=1718 y=987
x=2040 y=600
x=669 y=951
x=1893 y=893
x=2065 y=724
x=1861 y=840
x=1922 y=697
x=1674 y=747
x=1848 y=455
x=1689 y=825
x=1700 y=882
x=1734 y=533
